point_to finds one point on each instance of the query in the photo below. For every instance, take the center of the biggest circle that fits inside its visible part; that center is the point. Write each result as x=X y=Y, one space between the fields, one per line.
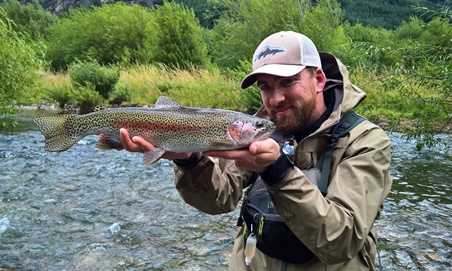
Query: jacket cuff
x=189 y=163
x=278 y=170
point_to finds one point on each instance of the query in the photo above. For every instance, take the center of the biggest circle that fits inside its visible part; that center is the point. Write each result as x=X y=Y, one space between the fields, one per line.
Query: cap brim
x=272 y=69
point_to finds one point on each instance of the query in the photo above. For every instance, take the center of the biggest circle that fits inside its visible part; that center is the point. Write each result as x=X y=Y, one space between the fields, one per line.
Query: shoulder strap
x=345 y=124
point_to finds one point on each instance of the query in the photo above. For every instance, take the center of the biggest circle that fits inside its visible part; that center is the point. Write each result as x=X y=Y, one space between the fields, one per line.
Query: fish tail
x=58 y=132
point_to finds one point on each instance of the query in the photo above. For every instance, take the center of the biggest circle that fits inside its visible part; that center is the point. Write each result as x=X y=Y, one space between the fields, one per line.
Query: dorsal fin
x=164 y=101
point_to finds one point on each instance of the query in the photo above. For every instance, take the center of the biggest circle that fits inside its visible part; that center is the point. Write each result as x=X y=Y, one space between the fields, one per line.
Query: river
x=85 y=209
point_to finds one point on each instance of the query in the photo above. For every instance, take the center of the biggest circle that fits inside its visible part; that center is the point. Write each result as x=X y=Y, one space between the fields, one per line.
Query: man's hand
x=257 y=157
x=138 y=144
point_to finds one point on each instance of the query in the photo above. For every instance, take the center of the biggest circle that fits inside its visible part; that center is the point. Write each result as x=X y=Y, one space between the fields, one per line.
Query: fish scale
x=168 y=126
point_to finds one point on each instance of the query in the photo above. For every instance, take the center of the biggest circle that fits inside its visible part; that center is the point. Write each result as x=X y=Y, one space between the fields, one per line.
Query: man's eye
x=264 y=88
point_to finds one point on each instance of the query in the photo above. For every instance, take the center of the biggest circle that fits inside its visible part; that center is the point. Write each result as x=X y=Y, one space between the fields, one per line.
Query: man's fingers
x=143 y=144
x=137 y=144
x=232 y=154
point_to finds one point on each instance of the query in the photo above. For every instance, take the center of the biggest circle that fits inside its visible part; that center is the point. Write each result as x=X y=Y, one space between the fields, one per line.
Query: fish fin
x=152 y=156
x=164 y=101
x=107 y=142
x=222 y=143
x=57 y=130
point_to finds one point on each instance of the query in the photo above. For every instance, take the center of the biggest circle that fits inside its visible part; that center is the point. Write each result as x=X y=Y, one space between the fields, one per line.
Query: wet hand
x=257 y=157
x=138 y=144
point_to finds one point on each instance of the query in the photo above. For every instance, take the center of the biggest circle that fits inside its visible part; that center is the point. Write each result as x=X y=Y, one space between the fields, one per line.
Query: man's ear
x=320 y=78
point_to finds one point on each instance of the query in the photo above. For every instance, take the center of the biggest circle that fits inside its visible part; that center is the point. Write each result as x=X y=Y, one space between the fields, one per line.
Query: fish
x=168 y=126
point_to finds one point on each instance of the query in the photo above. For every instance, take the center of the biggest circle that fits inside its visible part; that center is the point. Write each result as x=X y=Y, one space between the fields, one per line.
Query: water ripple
x=56 y=210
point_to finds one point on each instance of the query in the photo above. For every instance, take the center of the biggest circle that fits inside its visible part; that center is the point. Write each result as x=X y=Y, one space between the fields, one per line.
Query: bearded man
x=305 y=93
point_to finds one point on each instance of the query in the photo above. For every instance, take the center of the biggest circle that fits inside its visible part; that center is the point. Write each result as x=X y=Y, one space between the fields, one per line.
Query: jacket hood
x=337 y=77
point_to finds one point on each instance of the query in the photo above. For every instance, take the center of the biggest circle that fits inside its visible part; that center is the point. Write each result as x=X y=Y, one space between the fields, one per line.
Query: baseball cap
x=283 y=54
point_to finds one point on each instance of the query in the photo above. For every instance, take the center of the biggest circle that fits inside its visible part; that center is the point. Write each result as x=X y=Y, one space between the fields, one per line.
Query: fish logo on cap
x=269 y=50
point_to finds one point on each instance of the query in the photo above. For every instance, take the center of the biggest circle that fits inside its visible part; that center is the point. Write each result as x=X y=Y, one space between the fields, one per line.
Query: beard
x=293 y=123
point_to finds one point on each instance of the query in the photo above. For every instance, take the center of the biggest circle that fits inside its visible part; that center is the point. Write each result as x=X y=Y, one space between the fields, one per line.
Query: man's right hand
x=138 y=144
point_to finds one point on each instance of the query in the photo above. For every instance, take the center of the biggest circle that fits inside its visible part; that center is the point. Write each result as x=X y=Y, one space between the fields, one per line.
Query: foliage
x=244 y=23
x=62 y=95
x=323 y=25
x=238 y=31
x=250 y=97
x=121 y=94
x=127 y=34
x=190 y=87
x=32 y=18
x=19 y=66
x=163 y=51
x=368 y=48
x=386 y=14
x=204 y=11
x=102 y=79
x=179 y=37
x=86 y=98
x=116 y=33
x=420 y=73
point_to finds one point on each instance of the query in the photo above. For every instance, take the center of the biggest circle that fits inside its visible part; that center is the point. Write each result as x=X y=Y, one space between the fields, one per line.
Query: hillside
x=386 y=13
x=383 y=13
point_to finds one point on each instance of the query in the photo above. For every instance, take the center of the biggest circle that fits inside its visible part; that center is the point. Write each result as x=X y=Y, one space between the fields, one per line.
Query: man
x=304 y=93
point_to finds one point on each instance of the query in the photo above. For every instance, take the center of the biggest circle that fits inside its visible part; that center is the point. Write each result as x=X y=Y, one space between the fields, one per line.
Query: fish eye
x=259 y=124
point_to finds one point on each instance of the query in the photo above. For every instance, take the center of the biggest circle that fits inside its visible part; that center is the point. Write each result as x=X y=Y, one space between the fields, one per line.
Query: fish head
x=243 y=132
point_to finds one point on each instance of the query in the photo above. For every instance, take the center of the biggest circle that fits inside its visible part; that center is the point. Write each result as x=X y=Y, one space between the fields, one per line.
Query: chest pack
x=274 y=238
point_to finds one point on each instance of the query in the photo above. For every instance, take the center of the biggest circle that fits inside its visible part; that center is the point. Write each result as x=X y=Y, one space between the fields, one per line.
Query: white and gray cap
x=283 y=54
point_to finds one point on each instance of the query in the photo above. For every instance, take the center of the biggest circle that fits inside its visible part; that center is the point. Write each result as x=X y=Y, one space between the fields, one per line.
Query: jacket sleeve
x=213 y=186
x=335 y=227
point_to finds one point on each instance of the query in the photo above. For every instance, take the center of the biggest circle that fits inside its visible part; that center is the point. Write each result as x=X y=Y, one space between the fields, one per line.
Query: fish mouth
x=242 y=134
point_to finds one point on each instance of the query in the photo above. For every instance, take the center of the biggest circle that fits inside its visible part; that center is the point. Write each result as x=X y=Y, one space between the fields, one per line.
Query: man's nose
x=277 y=96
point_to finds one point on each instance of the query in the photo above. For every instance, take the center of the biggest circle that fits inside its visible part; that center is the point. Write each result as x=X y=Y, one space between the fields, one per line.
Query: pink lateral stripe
x=159 y=126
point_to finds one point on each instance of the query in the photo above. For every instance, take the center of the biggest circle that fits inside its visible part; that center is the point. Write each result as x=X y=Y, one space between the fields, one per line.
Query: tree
x=116 y=33
x=32 y=18
x=19 y=66
x=245 y=23
x=423 y=74
x=179 y=37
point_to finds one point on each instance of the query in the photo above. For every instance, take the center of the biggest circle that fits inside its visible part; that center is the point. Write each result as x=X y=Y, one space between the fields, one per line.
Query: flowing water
x=85 y=209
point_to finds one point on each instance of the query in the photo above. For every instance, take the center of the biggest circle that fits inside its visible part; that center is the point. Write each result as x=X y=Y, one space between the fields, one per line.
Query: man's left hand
x=257 y=157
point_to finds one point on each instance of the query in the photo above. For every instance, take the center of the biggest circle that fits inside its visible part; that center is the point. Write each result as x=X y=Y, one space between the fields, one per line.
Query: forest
x=384 y=13
x=98 y=52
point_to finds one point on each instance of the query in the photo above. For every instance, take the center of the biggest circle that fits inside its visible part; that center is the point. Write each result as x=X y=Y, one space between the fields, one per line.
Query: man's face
x=292 y=102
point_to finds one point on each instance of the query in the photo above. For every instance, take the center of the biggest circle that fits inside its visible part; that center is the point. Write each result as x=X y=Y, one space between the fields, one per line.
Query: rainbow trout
x=168 y=126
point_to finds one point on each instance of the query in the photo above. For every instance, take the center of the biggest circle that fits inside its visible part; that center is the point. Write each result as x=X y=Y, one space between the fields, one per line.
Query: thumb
x=265 y=146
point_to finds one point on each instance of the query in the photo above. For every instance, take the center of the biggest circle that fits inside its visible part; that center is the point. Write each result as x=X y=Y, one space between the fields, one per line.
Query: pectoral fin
x=107 y=142
x=152 y=156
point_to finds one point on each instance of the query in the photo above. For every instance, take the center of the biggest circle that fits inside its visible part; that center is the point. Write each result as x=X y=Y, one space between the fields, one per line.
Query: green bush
x=63 y=96
x=87 y=98
x=102 y=78
x=250 y=98
x=113 y=33
x=20 y=63
x=245 y=23
x=123 y=94
x=179 y=37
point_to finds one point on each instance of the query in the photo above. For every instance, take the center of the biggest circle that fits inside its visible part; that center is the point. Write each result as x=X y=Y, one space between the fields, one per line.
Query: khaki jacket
x=335 y=227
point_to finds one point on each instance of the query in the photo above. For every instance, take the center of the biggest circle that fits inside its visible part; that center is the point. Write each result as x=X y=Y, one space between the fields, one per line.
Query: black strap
x=345 y=124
